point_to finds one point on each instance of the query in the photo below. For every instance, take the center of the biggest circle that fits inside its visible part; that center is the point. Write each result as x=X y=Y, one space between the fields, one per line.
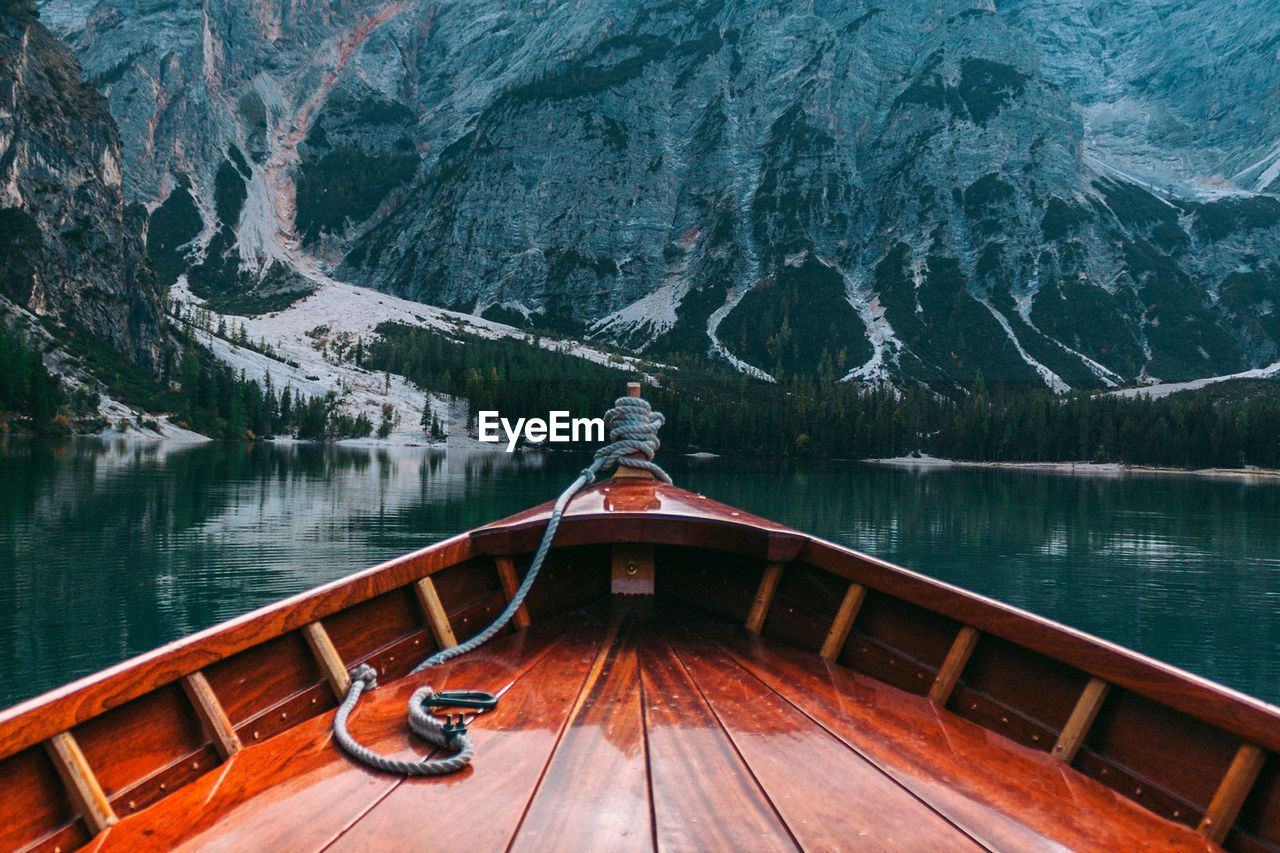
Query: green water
x=110 y=549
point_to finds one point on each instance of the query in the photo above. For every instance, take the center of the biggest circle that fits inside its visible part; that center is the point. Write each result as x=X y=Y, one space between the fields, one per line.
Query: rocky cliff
x=1070 y=194
x=71 y=250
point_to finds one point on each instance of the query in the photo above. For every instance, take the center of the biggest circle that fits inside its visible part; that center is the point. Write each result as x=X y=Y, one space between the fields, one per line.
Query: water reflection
x=110 y=549
x=1186 y=569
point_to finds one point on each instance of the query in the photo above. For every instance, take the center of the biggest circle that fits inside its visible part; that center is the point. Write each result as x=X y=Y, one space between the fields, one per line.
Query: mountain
x=1074 y=194
x=71 y=249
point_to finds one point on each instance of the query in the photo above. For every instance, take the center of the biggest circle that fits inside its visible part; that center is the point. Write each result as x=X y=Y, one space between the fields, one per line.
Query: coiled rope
x=633 y=441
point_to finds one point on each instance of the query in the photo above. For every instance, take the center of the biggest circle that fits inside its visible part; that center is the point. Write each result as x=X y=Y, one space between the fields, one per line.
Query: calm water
x=110 y=549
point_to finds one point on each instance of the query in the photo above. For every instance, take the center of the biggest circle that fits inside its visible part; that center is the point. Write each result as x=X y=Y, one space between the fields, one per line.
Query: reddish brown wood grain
x=1171 y=750
x=595 y=792
x=1242 y=715
x=298 y=791
x=35 y=801
x=165 y=781
x=513 y=744
x=804 y=606
x=1037 y=687
x=1006 y=796
x=370 y=625
x=867 y=655
x=70 y=837
x=1022 y=679
x=140 y=737
x=912 y=631
x=1260 y=816
x=704 y=796
x=827 y=794
x=645 y=511
x=1001 y=719
x=572 y=577
x=264 y=675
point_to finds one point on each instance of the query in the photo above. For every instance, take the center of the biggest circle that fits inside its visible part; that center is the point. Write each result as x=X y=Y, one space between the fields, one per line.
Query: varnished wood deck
x=622 y=732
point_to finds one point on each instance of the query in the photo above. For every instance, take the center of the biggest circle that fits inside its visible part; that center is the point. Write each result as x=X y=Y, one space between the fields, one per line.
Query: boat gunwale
x=34 y=720
x=1235 y=712
x=1207 y=700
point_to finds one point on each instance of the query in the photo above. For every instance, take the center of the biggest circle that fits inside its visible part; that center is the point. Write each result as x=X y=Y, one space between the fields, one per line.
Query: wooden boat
x=683 y=676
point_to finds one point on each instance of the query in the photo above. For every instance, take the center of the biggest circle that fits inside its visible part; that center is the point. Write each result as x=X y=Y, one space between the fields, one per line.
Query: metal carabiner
x=476 y=700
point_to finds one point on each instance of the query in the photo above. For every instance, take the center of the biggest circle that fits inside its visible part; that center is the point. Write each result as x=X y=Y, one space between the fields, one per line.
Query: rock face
x=1068 y=194
x=70 y=250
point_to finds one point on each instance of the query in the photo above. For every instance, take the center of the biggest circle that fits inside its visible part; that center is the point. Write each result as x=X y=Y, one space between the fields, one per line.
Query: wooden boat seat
x=618 y=729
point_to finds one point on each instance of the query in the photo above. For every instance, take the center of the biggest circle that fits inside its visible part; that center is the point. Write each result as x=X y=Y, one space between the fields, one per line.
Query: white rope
x=633 y=429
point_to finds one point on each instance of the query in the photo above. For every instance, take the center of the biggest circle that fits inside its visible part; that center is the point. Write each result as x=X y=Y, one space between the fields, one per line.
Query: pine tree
x=388 y=420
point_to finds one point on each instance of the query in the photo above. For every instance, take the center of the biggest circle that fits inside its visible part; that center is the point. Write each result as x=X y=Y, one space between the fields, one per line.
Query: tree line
x=708 y=407
x=197 y=390
x=712 y=409
x=28 y=391
x=212 y=399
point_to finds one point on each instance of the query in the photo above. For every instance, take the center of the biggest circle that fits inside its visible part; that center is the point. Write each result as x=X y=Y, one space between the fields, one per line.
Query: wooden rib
x=954 y=664
x=335 y=672
x=87 y=796
x=211 y=712
x=296 y=791
x=764 y=597
x=436 y=617
x=1081 y=719
x=843 y=623
x=1231 y=793
x=510 y=583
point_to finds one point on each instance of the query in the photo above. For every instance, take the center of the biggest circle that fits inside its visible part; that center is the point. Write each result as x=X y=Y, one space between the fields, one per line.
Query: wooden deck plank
x=829 y=796
x=704 y=796
x=1007 y=796
x=297 y=791
x=514 y=742
x=595 y=792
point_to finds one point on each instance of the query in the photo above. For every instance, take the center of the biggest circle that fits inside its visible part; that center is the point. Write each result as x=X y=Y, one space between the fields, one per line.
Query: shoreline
x=1097 y=469
x=923 y=462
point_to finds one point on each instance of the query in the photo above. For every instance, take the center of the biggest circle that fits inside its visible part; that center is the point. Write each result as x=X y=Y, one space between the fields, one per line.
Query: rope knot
x=633 y=429
x=366 y=674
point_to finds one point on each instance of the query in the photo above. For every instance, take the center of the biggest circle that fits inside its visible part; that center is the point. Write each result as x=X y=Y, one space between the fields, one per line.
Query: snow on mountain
x=300 y=336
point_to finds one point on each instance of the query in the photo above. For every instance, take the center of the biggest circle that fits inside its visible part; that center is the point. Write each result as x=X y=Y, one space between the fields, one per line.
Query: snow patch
x=306 y=362
x=879 y=332
x=1108 y=376
x=1268 y=169
x=1053 y=380
x=1164 y=389
x=655 y=314
x=713 y=323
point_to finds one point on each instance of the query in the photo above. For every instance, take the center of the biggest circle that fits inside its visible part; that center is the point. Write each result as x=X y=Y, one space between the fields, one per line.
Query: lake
x=109 y=548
